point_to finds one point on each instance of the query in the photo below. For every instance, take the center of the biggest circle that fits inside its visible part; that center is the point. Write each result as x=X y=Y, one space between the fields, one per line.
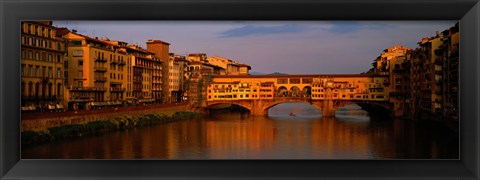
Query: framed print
x=240 y=89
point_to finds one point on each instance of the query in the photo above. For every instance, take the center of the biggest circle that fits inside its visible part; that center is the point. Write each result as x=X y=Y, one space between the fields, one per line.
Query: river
x=351 y=134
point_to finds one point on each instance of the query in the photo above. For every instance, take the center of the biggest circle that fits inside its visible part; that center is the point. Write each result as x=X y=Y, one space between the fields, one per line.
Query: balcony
x=121 y=62
x=100 y=60
x=114 y=89
x=101 y=79
x=100 y=69
x=113 y=61
x=73 y=88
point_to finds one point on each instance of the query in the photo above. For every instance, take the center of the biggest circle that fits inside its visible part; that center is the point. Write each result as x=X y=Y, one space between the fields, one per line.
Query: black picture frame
x=466 y=11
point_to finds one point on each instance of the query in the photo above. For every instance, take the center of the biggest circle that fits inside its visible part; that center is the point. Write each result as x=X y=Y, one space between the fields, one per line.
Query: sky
x=292 y=47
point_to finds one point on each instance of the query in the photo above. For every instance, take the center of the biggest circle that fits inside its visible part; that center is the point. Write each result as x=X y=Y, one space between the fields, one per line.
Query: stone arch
x=339 y=104
x=266 y=107
x=370 y=107
x=282 y=91
x=234 y=103
x=295 y=91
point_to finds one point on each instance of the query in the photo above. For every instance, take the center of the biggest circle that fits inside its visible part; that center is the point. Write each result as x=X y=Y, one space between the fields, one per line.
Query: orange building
x=97 y=72
x=161 y=51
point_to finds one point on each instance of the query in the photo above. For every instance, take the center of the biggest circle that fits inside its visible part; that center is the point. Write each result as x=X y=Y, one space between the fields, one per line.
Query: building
x=244 y=69
x=392 y=62
x=230 y=67
x=162 y=52
x=97 y=72
x=197 y=57
x=177 y=78
x=42 y=67
x=314 y=87
x=435 y=74
x=146 y=76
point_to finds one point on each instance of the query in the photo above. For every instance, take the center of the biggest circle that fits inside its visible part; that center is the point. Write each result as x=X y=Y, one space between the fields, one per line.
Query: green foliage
x=96 y=127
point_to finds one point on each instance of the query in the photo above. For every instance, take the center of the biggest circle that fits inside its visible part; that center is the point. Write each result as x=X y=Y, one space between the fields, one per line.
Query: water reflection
x=350 y=135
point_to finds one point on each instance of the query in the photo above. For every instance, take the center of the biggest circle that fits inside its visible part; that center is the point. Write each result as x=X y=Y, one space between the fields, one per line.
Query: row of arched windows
x=40 y=90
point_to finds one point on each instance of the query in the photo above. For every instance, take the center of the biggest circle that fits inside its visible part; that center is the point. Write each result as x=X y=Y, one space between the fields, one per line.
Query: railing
x=100 y=79
x=100 y=69
x=72 y=88
x=121 y=62
x=117 y=89
x=100 y=59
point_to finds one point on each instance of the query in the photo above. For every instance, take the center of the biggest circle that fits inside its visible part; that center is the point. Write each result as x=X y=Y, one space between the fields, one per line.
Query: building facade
x=42 y=67
x=97 y=73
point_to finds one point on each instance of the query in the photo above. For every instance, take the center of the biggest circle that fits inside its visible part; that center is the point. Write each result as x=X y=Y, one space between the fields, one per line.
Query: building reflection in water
x=352 y=134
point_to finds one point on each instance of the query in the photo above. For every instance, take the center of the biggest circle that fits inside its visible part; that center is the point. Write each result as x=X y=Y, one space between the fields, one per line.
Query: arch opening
x=221 y=108
x=293 y=109
x=282 y=91
x=372 y=109
x=307 y=91
x=295 y=91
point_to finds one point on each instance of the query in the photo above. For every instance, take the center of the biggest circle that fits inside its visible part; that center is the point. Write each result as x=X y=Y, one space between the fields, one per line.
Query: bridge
x=327 y=92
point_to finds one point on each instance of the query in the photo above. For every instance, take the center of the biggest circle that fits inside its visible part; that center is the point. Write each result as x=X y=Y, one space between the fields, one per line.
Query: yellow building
x=197 y=57
x=347 y=87
x=42 y=63
x=231 y=67
x=97 y=72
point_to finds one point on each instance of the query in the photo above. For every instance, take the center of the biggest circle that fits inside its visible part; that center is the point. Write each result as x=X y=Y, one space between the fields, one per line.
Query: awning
x=98 y=103
x=28 y=108
x=51 y=106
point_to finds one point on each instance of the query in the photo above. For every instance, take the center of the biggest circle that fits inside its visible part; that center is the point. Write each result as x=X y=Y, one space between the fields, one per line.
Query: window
x=59 y=73
x=80 y=62
x=76 y=42
x=37 y=56
x=24 y=71
x=31 y=71
x=77 y=53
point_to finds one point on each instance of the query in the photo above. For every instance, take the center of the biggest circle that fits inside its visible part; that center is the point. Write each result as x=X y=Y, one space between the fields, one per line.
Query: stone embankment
x=53 y=127
x=43 y=121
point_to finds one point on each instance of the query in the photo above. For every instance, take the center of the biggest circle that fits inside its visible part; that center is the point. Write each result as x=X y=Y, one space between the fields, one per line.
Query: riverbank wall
x=42 y=122
x=71 y=131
